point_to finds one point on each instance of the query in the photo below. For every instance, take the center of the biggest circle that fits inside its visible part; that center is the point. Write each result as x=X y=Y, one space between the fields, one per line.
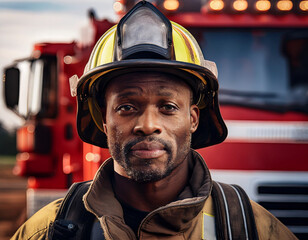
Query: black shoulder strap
x=234 y=217
x=72 y=221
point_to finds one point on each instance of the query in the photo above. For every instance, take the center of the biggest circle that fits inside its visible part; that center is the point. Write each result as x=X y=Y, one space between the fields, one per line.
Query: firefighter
x=149 y=96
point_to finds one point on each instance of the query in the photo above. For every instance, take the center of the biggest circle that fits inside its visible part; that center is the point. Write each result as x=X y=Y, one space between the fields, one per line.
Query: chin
x=148 y=175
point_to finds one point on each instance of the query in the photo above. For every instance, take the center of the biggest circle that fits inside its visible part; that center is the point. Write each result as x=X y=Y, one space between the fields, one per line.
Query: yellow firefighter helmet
x=145 y=39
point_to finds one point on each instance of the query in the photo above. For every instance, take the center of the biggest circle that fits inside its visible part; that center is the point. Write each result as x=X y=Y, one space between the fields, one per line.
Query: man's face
x=148 y=121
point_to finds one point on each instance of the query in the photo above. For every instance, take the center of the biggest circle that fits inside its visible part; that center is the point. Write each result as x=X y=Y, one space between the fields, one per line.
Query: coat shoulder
x=268 y=226
x=36 y=227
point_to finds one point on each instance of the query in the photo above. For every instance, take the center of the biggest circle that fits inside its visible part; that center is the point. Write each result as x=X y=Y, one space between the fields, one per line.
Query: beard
x=121 y=154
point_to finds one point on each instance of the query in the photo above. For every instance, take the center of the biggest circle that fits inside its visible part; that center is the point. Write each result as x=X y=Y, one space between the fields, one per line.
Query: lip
x=148 y=150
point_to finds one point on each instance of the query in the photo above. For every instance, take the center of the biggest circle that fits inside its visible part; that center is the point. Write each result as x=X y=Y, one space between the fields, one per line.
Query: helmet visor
x=144 y=33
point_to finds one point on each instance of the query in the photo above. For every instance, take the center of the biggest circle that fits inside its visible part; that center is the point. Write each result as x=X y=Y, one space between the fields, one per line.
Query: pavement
x=12 y=202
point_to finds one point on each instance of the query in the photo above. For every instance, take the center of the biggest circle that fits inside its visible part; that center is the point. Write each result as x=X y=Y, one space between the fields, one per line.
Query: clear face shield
x=144 y=33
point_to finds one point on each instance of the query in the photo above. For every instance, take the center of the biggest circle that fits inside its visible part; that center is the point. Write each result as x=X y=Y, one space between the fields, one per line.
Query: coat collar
x=101 y=201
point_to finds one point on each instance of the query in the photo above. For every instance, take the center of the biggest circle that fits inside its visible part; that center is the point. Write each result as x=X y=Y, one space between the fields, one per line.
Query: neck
x=151 y=195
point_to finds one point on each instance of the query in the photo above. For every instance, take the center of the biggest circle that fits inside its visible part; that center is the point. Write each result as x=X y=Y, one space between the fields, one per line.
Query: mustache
x=130 y=144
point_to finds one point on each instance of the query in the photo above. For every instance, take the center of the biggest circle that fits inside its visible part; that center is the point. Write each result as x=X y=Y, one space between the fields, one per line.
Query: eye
x=169 y=108
x=126 y=108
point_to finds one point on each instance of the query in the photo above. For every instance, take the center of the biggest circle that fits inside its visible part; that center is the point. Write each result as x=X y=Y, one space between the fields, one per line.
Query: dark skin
x=148 y=120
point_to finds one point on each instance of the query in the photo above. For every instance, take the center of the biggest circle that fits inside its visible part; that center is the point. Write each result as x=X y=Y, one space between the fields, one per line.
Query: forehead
x=147 y=80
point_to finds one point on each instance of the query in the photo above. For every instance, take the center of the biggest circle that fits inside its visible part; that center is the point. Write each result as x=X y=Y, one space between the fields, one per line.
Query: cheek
x=111 y=128
x=114 y=132
x=118 y=132
x=183 y=137
x=181 y=131
x=112 y=124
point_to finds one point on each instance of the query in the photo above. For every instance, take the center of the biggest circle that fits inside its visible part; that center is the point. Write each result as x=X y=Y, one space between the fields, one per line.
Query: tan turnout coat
x=179 y=220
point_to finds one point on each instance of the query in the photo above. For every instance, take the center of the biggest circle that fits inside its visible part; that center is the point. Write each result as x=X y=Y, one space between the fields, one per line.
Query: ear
x=104 y=119
x=105 y=128
x=194 y=118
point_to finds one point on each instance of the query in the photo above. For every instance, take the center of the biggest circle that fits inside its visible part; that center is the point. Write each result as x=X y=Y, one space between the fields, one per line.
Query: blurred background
x=23 y=23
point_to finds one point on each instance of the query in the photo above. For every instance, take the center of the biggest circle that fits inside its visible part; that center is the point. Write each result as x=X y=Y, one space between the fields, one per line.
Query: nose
x=148 y=123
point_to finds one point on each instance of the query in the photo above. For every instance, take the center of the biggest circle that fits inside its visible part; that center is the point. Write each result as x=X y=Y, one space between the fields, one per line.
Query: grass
x=8 y=160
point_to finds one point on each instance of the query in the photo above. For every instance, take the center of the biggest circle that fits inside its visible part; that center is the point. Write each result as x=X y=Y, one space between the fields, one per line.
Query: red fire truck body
x=261 y=54
x=50 y=150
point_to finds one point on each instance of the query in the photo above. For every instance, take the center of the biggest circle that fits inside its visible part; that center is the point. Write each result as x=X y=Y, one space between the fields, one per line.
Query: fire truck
x=261 y=51
x=37 y=89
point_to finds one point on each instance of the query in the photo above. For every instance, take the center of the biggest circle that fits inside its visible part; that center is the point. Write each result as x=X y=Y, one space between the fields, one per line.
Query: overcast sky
x=23 y=23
